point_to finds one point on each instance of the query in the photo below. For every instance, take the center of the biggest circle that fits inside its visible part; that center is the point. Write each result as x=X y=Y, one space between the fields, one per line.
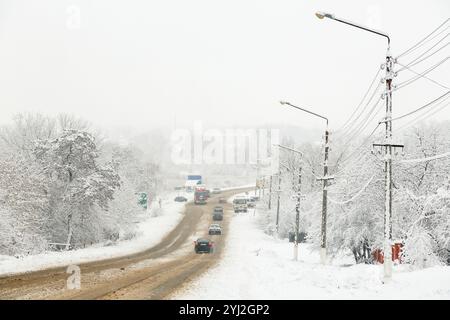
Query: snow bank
x=149 y=232
x=251 y=185
x=257 y=266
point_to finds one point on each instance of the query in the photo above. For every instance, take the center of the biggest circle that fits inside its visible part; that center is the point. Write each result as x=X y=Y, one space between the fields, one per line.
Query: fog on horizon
x=167 y=64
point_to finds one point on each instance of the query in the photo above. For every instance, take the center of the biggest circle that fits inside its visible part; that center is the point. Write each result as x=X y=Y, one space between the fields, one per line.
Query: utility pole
x=257 y=175
x=297 y=213
x=270 y=193
x=264 y=186
x=278 y=199
x=325 y=178
x=388 y=146
x=296 y=188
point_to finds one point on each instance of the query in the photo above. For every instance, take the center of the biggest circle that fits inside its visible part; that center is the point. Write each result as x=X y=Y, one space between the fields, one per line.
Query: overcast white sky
x=146 y=63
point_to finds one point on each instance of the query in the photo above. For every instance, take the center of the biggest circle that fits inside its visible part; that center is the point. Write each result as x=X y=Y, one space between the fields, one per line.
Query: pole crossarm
x=388 y=145
x=325 y=178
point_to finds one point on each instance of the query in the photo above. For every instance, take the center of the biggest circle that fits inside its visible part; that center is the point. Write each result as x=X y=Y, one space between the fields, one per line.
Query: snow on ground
x=149 y=232
x=239 y=187
x=257 y=266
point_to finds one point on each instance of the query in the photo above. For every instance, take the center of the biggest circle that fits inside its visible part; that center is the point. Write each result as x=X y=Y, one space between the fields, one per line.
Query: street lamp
x=322 y=15
x=297 y=206
x=325 y=178
x=387 y=146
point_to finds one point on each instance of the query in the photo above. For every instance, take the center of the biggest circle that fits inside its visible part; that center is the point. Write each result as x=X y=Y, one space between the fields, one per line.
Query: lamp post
x=298 y=196
x=387 y=145
x=324 y=179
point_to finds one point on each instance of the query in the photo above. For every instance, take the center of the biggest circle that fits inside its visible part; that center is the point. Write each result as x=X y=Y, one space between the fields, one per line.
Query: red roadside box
x=396 y=253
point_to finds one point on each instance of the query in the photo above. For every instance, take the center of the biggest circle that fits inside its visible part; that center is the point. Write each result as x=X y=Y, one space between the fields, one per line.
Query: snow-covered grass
x=258 y=266
x=157 y=223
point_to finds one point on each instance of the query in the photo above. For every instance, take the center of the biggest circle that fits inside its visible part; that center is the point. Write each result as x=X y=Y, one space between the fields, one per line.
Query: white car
x=215 y=229
x=240 y=204
x=216 y=191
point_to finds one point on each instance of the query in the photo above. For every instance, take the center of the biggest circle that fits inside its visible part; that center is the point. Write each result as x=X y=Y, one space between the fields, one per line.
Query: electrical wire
x=422 y=42
x=414 y=61
x=424 y=116
x=429 y=79
x=346 y=123
x=423 y=59
x=421 y=75
x=357 y=195
x=432 y=38
x=355 y=125
x=345 y=161
x=436 y=157
x=361 y=127
x=421 y=108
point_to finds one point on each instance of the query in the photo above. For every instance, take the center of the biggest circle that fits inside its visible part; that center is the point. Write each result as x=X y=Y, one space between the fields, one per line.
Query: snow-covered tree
x=79 y=185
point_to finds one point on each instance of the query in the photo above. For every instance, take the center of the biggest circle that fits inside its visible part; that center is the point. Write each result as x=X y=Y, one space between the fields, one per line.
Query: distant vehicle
x=200 y=195
x=222 y=200
x=218 y=215
x=181 y=199
x=208 y=193
x=218 y=209
x=251 y=203
x=240 y=204
x=202 y=245
x=215 y=229
x=216 y=191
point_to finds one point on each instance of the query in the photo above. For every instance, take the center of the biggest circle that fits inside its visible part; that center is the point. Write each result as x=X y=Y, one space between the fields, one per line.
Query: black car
x=180 y=199
x=217 y=216
x=203 y=246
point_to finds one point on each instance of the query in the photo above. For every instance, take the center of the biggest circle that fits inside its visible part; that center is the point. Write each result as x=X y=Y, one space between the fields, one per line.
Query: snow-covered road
x=257 y=266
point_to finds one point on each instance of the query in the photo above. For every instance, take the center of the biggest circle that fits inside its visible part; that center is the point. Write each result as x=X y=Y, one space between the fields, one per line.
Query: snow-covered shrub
x=6 y=233
x=420 y=249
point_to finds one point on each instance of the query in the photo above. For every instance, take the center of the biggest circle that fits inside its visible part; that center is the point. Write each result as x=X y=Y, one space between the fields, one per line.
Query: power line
x=421 y=75
x=424 y=116
x=361 y=102
x=415 y=62
x=361 y=127
x=421 y=42
x=421 y=108
x=349 y=130
x=412 y=62
x=429 y=56
x=432 y=38
x=436 y=157
x=344 y=161
x=359 y=193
